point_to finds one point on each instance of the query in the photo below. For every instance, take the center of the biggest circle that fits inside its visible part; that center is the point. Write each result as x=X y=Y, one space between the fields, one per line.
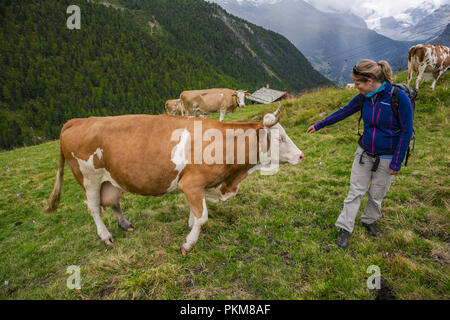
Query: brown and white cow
x=151 y=155
x=223 y=100
x=175 y=106
x=350 y=86
x=430 y=58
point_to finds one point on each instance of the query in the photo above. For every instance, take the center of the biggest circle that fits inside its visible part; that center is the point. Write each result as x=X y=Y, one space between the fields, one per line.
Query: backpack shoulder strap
x=361 y=104
x=394 y=101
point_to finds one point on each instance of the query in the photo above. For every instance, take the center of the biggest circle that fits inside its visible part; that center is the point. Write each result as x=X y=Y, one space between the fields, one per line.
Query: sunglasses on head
x=356 y=72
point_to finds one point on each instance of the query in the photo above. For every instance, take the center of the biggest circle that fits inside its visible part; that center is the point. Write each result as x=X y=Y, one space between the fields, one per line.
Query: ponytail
x=386 y=71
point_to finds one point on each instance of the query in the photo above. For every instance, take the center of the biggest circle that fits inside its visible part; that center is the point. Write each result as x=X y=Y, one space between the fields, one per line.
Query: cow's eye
x=282 y=139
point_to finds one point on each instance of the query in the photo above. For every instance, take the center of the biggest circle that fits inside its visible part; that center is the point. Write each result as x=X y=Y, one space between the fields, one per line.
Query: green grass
x=274 y=240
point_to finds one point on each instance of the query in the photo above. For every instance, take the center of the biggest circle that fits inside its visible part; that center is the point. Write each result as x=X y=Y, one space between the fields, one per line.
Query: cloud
x=366 y=9
x=372 y=9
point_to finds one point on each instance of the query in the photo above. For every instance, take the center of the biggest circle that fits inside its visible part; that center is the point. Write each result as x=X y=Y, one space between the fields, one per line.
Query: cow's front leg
x=436 y=76
x=222 y=115
x=196 y=200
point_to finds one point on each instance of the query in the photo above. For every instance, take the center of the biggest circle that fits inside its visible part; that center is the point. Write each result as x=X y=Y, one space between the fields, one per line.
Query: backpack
x=412 y=95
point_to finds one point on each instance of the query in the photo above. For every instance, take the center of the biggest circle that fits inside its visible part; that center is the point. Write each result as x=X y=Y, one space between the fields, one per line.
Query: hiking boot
x=342 y=238
x=372 y=229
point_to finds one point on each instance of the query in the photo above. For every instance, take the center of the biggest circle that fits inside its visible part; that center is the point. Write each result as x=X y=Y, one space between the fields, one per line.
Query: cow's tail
x=53 y=202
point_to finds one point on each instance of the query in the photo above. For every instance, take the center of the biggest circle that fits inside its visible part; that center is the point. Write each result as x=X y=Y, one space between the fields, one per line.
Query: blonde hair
x=379 y=71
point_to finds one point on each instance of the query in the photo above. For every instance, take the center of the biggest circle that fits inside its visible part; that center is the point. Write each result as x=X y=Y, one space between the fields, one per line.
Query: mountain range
x=333 y=42
x=420 y=24
x=444 y=38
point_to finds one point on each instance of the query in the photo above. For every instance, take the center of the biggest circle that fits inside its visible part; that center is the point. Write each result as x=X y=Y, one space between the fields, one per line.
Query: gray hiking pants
x=361 y=176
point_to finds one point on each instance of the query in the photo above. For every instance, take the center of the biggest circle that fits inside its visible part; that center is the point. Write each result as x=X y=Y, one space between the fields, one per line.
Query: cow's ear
x=248 y=94
x=269 y=120
x=234 y=95
x=272 y=119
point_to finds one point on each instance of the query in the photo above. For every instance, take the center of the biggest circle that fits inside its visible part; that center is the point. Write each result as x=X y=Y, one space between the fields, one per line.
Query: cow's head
x=288 y=151
x=240 y=97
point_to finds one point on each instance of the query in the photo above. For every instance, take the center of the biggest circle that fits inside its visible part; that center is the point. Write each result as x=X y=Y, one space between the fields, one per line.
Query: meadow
x=274 y=240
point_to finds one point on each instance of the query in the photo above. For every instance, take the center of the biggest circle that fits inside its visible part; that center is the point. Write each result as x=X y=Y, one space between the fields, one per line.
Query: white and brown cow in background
x=223 y=100
x=149 y=155
x=350 y=86
x=430 y=58
x=175 y=106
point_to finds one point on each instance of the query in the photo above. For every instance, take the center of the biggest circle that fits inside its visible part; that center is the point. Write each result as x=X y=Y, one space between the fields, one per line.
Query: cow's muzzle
x=302 y=156
x=297 y=160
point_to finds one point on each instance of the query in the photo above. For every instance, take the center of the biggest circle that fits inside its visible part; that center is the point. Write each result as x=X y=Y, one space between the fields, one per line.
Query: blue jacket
x=382 y=131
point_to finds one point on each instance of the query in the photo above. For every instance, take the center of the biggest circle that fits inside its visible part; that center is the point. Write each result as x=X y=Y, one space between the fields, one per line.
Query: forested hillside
x=128 y=60
x=234 y=46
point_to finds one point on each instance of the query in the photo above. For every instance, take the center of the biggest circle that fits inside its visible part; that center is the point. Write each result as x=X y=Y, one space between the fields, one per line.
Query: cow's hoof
x=183 y=251
x=125 y=225
x=109 y=241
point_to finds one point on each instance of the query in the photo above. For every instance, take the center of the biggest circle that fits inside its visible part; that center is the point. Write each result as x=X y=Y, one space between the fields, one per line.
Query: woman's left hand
x=392 y=172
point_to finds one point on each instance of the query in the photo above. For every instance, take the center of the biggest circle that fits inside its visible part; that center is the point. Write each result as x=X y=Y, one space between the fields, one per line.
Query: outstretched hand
x=311 y=129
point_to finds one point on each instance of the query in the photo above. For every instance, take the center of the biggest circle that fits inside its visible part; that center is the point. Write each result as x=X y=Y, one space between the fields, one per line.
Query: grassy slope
x=274 y=240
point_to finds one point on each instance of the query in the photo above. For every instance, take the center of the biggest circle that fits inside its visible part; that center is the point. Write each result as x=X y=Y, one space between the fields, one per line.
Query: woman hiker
x=382 y=147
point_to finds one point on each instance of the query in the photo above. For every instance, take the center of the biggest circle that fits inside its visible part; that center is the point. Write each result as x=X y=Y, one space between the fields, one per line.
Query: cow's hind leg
x=196 y=200
x=121 y=220
x=420 y=75
x=410 y=74
x=110 y=196
x=93 y=204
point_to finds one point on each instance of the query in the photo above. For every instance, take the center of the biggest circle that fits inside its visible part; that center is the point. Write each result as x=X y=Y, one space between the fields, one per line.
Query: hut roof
x=266 y=95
